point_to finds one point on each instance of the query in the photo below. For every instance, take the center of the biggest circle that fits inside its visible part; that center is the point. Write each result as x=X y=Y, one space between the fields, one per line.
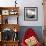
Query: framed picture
x=5 y=12
x=13 y=12
x=31 y=13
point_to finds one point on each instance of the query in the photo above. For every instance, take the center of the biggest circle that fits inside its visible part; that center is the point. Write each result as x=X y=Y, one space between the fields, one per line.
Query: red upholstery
x=29 y=33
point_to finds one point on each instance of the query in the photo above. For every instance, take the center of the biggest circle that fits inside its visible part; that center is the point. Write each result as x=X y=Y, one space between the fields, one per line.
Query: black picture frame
x=30 y=13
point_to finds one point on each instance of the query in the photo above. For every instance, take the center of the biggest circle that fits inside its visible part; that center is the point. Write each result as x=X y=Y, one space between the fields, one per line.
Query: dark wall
x=37 y=29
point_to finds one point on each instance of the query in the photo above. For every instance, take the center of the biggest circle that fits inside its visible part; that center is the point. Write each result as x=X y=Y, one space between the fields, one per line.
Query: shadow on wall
x=37 y=29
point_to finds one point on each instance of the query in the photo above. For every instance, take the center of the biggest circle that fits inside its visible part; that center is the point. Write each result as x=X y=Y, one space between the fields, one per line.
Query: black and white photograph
x=30 y=13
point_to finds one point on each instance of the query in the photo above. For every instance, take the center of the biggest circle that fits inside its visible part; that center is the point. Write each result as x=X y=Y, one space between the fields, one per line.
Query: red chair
x=29 y=33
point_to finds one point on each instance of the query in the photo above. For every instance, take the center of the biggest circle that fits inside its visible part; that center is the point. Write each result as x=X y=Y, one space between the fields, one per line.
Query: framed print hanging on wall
x=30 y=13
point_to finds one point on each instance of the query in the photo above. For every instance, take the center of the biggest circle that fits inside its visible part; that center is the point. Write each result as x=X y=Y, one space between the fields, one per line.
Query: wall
x=26 y=3
x=31 y=3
